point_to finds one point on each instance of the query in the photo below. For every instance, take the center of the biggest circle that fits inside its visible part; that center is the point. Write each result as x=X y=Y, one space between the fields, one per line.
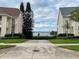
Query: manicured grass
x=6 y=46
x=12 y=40
x=75 y=48
x=64 y=41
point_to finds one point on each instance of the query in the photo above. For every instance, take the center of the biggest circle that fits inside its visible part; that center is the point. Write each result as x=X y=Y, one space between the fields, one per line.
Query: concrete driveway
x=37 y=49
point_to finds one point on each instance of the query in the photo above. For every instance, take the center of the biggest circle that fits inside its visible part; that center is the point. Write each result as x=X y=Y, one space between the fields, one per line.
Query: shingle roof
x=67 y=10
x=14 y=12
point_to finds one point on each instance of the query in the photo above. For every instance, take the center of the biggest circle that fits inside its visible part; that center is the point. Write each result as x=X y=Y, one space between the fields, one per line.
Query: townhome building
x=64 y=19
x=10 y=21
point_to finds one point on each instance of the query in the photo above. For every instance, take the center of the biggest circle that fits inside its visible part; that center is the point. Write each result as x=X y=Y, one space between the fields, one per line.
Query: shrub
x=64 y=34
x=14 y=36
x=44 y=37
x=73 y=37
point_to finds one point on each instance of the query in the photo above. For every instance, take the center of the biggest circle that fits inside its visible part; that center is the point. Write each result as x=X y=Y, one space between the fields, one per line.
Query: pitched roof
x=67 y=10
x=14 y=12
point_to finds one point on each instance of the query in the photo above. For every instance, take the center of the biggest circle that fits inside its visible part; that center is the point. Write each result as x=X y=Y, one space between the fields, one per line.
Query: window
x=72 y=31
x=0 y=20
x=7 y=30
x=8 y=20
x=78 y=29
x=0 y=31
x=13 y=26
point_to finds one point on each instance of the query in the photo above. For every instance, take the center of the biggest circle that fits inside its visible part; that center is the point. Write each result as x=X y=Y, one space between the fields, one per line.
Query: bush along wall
x=70 y=36
x=44 y=37
x=13 y=36
x=64 y=34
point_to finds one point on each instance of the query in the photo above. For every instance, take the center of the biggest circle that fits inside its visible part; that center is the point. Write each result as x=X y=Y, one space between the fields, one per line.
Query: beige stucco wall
x=76 y=30
x=3 y=28
x=18 y=24
x=72 y=24
x=5 y=24
x=60 y=24
x=9 y=25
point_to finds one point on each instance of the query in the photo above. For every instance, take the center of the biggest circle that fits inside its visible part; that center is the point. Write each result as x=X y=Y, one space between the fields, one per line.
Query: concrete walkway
x=37 y=49
x=72 y=44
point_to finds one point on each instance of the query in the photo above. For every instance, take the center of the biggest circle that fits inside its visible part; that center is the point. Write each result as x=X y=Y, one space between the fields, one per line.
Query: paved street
x=37 y=49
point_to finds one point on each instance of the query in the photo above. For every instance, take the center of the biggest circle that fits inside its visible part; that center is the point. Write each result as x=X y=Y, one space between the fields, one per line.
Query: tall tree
x=75 y=16
x=28 y=8
x=28 y=22
x=67 y=27
x=22 y=7
x=22 y=10
x=53 y=33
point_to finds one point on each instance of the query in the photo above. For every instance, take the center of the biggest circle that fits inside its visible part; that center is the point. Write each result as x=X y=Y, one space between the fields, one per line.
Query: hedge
x=64 y=34
x=14 y=36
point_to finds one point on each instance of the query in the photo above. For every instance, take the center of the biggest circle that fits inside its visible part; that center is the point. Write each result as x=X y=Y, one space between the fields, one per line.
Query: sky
x=45 y=11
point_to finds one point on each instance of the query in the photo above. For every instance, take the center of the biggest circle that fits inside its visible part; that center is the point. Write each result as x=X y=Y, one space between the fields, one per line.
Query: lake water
x=42 y=34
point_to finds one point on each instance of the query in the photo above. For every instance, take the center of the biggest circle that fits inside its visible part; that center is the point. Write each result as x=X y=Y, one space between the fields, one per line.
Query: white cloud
x=45 y=13
x=31 y=1
x=67 y=3
x=42 y=25
x=44 y=10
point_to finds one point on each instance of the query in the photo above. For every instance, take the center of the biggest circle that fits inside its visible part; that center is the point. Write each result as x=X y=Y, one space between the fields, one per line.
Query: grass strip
x=75 y=48
x=64 y=41
x=6 y=46
x=13 y=41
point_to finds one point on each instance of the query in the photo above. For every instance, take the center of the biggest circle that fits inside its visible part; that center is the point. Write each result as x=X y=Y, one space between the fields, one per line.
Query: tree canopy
x=22 y=7
x=75 y=15
x=28 y=7
x=27 y=21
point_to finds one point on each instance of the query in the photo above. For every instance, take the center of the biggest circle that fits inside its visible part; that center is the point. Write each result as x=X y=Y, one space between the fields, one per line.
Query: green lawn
x=64 y=41
x=6 y=46
x=12 y=40
x=75 y=48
